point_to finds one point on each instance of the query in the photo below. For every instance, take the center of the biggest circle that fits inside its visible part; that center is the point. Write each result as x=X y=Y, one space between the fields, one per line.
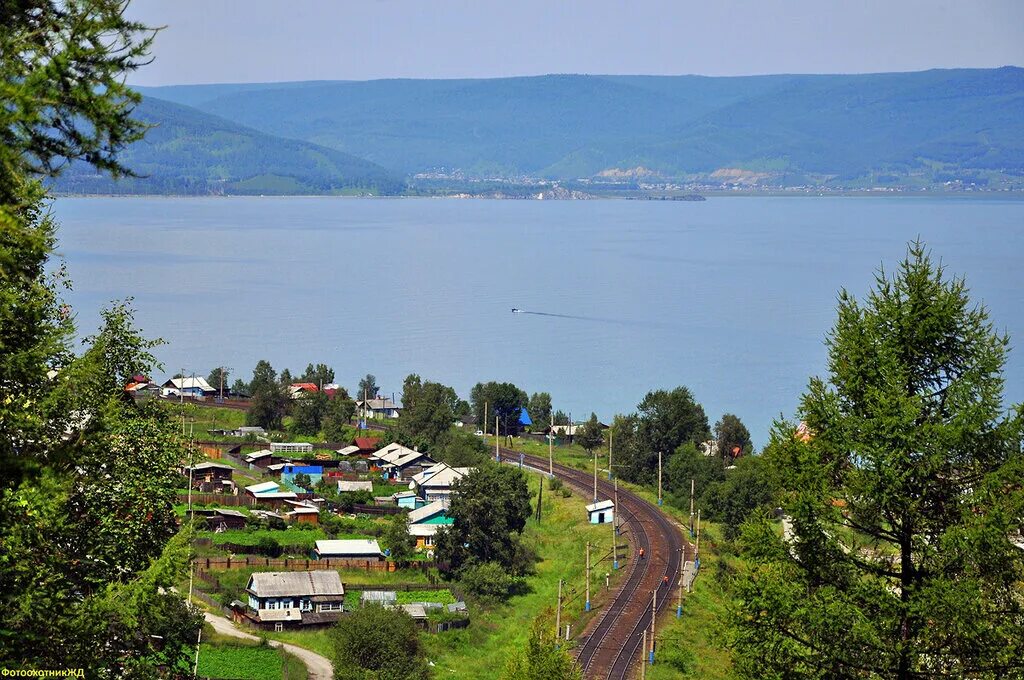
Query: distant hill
x=192 y=152
x=851 y=129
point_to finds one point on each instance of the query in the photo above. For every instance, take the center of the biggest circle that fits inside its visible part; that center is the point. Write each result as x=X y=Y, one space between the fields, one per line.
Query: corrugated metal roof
x=295 y=583
x=355 y=546
x=354 y=486
x=348 y=450
x=263 y=487
x=426 y=511
x=280 y=614
x=601 y=505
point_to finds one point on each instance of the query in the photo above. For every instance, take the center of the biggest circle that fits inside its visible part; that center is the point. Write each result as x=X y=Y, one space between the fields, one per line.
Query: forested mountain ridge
x=188 y=151
x=923 y=127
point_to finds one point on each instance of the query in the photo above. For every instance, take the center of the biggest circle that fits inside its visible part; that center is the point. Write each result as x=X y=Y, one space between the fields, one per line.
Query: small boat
x=516 y=311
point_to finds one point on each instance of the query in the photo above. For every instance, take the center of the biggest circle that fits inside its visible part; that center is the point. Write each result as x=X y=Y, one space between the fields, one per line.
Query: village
x=290 y=536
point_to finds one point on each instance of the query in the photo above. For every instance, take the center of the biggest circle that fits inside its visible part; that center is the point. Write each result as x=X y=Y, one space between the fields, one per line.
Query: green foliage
x=236 y=662
x=374 y=642
x=750 y=486
x=590 y=436
x=902 y=500
x=319 y=375
x=543 y=657
x=308 y=413
x=269 y=398
x=429 y=410
x=459 y=448
x=398 y=539
x=336 y=418
x=490 y=506
x=731 y=434
x=219 y=376
x=555 y=483
x=303 y=481
x=62 y=68
x=539 y=408
x=409 y=596
x=503 y=400
x=665 y=420
x=368 y=387
x=561 y=418
x=491 y=581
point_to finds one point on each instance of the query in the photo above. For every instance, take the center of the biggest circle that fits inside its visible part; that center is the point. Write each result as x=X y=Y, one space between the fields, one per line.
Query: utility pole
x=484 y=424
x=693 y=483
x=587 y=606
x=615 y=512
x=497 y=452
x=551 y=446
x=696 y=548
x=595 y=475
x=615 y=547
x=679 y=607
x=609 y=454
x=540 y=497
x=558 y=612
x=643 y=664
x=659 y=477
x=654 y=615
x=181 y=399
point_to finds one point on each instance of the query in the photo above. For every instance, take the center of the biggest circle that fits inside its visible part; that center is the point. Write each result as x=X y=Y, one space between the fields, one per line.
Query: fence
x=219 y=498
x=301 y=564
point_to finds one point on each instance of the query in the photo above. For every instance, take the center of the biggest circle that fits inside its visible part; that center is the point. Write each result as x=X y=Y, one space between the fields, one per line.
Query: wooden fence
x=301 y=564
x=219 y=498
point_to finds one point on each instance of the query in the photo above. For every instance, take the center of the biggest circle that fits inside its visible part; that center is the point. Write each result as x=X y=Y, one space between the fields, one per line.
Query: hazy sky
x=266 y=40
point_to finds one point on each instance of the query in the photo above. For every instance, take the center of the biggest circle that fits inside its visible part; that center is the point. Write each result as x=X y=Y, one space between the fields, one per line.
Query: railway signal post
x=659 y=477
x=586 y=607
x=654 y=615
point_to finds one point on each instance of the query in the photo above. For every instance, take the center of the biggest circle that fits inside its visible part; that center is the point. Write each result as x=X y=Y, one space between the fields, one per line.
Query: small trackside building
x=601 y=512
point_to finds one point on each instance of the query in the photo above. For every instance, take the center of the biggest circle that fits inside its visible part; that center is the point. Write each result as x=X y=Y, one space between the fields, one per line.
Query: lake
x=731 y=297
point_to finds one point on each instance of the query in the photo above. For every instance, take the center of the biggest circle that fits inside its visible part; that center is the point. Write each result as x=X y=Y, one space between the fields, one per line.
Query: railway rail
x=611 y=646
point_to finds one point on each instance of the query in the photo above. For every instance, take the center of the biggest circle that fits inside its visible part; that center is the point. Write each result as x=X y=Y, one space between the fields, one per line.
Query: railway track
x=610 y=648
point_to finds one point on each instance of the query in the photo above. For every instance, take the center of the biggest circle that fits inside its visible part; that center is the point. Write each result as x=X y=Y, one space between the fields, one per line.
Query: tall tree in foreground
x=904 y=489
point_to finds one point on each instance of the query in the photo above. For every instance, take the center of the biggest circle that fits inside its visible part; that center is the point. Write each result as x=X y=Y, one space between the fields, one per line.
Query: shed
x=344 y=486
x=348 y=549
x=601 y=512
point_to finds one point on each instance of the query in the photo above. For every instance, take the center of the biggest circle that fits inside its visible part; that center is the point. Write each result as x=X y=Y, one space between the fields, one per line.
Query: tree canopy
x=903 y=489
x=504 y=401
x=374 y=642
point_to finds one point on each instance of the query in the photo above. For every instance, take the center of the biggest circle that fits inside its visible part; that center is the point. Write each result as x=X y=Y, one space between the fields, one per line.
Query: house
x=269 y=493
x=425 y=522
x=210 y=476
x=249 y=431
x=601 y=512
x=345 y=486
x=302 y=513
x=261 y=458
x=366 y=444
x=294 y=599
x=220 y=519
x=432 y=513
x=360 y=549
x=299 y=390
x=141 y=388
x=435 y=482
x=404 y=464
x=380 y=407
x=290 y=471
x=195 y=387
x=408 y=499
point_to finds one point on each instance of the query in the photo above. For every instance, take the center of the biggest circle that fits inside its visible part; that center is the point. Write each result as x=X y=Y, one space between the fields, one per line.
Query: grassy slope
x=481 y=650
x=695 y=645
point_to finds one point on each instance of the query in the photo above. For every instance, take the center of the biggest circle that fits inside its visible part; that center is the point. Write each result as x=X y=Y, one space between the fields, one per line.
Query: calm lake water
x=731 y=297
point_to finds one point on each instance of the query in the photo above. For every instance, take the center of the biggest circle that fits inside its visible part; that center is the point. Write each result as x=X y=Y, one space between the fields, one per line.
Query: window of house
x=278 y=627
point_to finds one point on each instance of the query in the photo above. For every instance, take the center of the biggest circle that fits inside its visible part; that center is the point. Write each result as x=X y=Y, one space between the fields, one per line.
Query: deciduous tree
x=375 y=643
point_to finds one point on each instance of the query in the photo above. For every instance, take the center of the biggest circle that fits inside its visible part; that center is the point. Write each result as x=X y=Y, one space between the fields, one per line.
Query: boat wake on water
x=578 y=317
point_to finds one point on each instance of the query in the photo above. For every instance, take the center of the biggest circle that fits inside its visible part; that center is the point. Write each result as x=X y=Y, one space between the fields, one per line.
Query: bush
x=555 y=483
x=269 y=546
x=566 y=493
x=491 y=581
